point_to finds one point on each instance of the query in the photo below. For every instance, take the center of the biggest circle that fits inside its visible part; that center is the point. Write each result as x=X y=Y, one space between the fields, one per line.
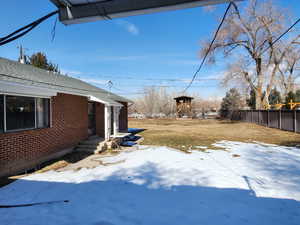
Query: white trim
x=106 y=122
x=116 y=119
x=35 y=113
x=112 y=103
x=4 y=111
x=50 y=111
x=12 y=88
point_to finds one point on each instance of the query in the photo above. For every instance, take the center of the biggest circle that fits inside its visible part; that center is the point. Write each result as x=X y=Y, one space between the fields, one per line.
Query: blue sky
x=132 y=52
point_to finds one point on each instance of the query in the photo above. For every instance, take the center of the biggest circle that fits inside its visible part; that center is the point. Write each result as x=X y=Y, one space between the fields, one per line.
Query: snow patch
x=159 y=185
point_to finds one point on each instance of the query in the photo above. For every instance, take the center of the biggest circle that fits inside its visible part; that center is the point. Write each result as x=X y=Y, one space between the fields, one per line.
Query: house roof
x=15 y=72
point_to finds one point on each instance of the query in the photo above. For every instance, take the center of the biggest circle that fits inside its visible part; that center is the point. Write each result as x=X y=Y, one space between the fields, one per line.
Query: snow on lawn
x=246 y=184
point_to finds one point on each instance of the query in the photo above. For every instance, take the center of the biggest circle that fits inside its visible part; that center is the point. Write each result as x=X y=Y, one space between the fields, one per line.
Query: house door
x=92 y=118
x=112 y=120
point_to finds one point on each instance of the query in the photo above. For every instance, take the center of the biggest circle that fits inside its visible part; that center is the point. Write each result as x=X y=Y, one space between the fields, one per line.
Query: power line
x=276 y=40
x=154 y=79
x=281 y=36
x=24 y=30
x=210 y=46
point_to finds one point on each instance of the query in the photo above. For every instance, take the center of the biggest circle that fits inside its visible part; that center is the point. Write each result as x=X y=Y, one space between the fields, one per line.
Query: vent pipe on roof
x=22 y=57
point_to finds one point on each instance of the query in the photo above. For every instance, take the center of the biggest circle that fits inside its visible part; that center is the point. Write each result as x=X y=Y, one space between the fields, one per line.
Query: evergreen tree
x=274 y=97
x=40 y=60
x=297 y=97
x=231 y=102
x=251 y=101
x=290 y=97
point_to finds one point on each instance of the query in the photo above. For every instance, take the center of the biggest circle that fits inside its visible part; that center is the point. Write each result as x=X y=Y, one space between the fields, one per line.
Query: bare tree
x=244 y=38
x=156 y=101
x=288 y=70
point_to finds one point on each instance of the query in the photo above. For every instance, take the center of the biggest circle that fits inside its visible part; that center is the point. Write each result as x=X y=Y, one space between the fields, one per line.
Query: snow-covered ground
x=245 y=184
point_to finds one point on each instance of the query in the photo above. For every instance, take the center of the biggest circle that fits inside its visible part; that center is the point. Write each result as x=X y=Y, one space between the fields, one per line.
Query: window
x=1 y=113
x=42 y=112
x=20 y=113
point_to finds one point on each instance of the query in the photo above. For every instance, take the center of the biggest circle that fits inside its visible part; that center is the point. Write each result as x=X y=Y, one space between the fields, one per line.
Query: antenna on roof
x=109 y=84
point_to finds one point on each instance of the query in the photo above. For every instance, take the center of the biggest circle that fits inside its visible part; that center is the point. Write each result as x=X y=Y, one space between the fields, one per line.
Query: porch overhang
x=105 y=102
x=81 y=11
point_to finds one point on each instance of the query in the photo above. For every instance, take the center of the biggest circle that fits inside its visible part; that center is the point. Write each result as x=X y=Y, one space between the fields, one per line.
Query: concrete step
x=93 y=141
x=92 y=151
x=90 y=145
x=93 y=137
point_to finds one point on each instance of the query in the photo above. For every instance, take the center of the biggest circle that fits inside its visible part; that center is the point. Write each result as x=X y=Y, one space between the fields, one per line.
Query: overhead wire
x=209 y=48
x=25 y=29
x=263 y=51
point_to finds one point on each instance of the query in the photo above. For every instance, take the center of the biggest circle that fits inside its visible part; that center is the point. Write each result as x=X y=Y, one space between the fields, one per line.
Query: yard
x=183 y=134
x=229 y=173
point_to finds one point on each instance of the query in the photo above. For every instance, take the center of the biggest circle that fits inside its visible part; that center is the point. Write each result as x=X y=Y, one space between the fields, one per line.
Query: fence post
x=280 y=119
x=295 y=121
x=258 y=121
x=251 y=116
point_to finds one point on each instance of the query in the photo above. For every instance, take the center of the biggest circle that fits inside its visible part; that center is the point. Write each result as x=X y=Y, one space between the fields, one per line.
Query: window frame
x=35 y=114
x=3 y=111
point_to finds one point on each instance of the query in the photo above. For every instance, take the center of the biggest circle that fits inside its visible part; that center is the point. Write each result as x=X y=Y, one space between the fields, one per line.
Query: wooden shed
x=184 y=106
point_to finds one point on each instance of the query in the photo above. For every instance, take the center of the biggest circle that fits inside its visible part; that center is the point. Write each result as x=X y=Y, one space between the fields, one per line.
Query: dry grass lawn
x=182 y=134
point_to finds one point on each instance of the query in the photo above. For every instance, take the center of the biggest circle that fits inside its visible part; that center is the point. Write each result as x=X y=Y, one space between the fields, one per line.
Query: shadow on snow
x=143 y=199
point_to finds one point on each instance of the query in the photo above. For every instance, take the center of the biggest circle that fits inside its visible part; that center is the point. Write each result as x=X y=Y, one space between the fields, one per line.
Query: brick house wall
x=123 y=117
x=100 y=120
x=26 y=149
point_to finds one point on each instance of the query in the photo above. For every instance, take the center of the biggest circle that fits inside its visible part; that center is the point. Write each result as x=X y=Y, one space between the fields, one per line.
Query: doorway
x=112 y=120
x=91 y=118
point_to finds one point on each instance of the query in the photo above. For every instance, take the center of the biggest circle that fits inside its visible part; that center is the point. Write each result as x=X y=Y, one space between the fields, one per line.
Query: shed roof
x=12 y=71
x=183 y=97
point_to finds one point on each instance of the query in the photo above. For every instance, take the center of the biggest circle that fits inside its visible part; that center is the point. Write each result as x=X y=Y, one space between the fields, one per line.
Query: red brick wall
x=25 y=149
x=100 y=126
x=123 y=117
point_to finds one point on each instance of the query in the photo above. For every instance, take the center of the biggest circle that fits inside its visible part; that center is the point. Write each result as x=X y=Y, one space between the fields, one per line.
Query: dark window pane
x=43 y=112
x=1 y=114
x=20 y=112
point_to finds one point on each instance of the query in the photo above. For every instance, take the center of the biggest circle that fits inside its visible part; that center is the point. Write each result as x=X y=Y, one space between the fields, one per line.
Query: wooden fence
x=288 y=120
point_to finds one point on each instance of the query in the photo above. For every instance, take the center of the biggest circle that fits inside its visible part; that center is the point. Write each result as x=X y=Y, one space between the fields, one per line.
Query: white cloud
x=130 y=27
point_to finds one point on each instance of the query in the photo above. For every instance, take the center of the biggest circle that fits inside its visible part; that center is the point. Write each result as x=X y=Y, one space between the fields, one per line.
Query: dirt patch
x=184 y=134
x=55 y=164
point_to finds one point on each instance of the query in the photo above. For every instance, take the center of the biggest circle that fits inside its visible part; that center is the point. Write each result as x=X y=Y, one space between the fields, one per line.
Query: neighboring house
x=43 y=115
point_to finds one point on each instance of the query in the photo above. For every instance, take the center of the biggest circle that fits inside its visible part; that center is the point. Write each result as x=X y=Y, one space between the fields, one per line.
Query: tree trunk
x=258 y=98
x=259 y=88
